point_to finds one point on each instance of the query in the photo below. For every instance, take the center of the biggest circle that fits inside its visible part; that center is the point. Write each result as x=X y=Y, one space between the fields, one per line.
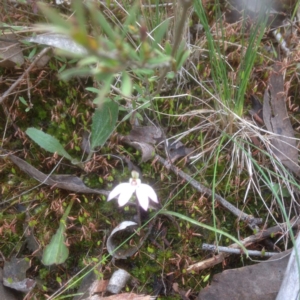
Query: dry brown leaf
x=66 y=182
x=100 y=286
x=146 y=134
x=178 y=150
x=10 y=52
x=144 y=138
x=117 y=237
x=277 y=121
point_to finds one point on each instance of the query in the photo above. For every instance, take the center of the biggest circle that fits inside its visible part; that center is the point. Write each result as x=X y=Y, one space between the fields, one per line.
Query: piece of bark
x=257 y=110
x=7 y=293
x=256 y=282
x=14 y=275
x=277 y=121
x=290 y=285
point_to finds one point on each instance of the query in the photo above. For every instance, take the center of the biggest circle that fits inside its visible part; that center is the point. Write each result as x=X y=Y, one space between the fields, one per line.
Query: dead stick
x=250 y=220
x=231 y=250
x=217 y=259
x=17 y=82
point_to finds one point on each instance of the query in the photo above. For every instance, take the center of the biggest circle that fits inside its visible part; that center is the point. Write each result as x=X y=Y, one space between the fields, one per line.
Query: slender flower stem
x=138 y=211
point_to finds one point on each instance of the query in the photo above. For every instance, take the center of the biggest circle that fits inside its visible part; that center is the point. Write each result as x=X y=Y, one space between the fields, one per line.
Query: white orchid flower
x=143 y=191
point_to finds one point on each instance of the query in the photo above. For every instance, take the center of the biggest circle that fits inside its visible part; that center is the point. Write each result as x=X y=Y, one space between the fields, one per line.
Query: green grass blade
x=216 y=230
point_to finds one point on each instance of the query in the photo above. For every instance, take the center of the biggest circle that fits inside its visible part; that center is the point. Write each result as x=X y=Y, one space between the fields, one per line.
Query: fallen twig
x=209 y=263
x=17 y=82
x=231 y=250
x=250 y=220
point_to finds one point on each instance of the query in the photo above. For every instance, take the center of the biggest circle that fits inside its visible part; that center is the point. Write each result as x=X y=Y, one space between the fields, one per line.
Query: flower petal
x=147 y=189
x=143 y=193
x=126 y=193
x=143 y=198
x=117 y=190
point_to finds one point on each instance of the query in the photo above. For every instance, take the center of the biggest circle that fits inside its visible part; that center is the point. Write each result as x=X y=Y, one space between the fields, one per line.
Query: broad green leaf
x=57 y=252
x=126 y=86
x=104 y=120
x=160 y=32
x=47 y=142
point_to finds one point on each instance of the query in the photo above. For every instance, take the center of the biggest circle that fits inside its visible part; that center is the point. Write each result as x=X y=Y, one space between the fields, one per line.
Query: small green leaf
x=57 y=252
x=86 y=61
x=22 y=100
x=69 y=73
x=168 y=48
x=104 y=120
x=9 y=280
x=32 y=53
x=162 y=59
x=182 y=58
x=126 y=87
x=92 y=89
x=47 y=142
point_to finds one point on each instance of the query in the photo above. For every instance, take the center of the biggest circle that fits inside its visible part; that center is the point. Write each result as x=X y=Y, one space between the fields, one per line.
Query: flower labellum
x=124 y=191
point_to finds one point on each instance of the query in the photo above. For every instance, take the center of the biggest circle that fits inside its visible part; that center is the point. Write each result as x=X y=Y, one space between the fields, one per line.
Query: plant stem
x=138 y=211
